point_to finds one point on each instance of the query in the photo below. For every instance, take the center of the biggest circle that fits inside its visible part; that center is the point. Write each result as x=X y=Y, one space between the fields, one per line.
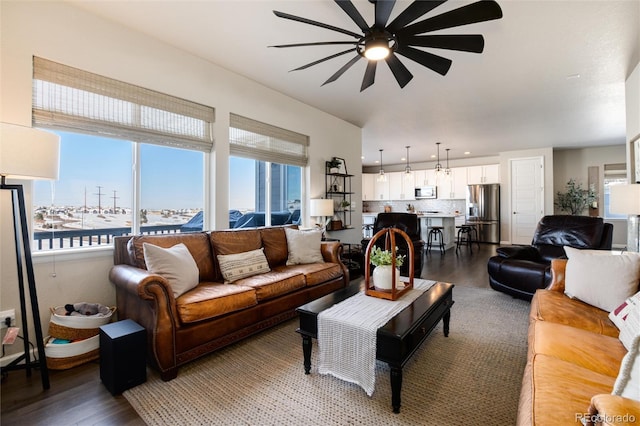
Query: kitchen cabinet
x=401 y=187
x=381 y=189
x=369 y=186
x=483 y=174
x=424 y=177
x=454 y=186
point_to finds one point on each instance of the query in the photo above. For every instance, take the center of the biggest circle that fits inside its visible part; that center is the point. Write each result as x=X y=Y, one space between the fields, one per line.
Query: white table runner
x=347 y=334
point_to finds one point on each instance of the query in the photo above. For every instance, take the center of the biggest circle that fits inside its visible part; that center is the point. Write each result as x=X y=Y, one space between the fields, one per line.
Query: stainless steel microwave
x=429 y=191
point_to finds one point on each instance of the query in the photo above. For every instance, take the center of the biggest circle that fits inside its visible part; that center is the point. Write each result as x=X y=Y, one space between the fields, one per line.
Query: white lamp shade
x=625 y=199
x=28 y=153
x=321 y=207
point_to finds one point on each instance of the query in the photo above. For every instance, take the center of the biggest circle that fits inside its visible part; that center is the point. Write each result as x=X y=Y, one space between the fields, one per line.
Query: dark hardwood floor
x=77 y=395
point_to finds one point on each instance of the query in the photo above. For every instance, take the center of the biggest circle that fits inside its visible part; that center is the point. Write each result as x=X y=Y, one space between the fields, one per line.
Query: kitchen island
x=428 y=219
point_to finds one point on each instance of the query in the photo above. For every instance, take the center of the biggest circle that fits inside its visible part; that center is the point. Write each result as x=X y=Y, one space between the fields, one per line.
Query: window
x=112 y=132
x=265 y=174
x=614 y=174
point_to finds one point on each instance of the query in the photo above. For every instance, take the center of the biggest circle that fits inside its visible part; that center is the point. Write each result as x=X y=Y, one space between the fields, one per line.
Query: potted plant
x=334 y=165
x=383 y=262
x=575 y=200
x=344 y=205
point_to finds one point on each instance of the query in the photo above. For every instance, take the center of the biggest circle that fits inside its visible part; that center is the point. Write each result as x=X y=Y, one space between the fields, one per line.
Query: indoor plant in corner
x=382 y=274
x=576 y=199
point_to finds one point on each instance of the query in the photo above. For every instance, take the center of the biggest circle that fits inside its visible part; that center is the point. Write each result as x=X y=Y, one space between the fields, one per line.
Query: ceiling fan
x=382 y=41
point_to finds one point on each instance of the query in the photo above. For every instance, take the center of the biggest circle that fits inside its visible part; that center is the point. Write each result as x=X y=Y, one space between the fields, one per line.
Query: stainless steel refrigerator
x=483 y=210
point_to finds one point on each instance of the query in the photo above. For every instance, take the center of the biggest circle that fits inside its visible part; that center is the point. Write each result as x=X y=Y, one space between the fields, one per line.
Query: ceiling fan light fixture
x=376 y=49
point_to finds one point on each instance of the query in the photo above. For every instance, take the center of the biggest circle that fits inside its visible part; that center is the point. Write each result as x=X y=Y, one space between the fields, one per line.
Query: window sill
x=72 y=254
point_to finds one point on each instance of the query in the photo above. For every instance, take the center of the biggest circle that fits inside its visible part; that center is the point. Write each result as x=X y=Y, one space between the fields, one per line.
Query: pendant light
x=438 y=167
x=408 y=175
x=447 y=171
x=381 y=176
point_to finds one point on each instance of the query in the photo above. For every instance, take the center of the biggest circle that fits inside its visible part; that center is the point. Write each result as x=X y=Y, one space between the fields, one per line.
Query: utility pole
x=114 y=201
x=99 y=194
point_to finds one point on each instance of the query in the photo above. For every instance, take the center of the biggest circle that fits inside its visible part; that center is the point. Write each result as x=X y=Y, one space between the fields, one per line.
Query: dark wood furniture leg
x=306 y=350
x=445 y=322
x=396 y=388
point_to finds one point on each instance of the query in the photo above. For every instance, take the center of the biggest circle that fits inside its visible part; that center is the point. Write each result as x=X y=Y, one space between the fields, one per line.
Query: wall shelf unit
x=338 y=188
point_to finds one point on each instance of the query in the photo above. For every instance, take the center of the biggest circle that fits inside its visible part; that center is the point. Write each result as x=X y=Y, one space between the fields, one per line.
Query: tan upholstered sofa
x=215 y=314
x=573 y=360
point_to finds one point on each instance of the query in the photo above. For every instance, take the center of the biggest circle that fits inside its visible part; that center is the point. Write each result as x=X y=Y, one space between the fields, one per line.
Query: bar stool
x=464 y=237
x=473 y=233
x=435 y=235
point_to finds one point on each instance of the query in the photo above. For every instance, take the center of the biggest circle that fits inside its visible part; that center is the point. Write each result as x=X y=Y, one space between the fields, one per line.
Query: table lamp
x=625 y=199
x=27 y=154
x=322 y=208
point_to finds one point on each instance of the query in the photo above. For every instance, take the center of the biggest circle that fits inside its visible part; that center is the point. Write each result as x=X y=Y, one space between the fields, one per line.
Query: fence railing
x=90 y=237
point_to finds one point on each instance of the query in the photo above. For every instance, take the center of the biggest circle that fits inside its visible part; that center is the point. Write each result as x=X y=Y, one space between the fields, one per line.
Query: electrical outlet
x=9 y=313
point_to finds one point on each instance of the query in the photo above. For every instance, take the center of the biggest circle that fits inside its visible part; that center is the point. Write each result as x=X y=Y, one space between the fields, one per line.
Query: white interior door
x=527 y=193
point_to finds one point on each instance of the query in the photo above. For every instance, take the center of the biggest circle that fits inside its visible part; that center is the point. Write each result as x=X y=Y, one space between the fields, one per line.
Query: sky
x=170 y=178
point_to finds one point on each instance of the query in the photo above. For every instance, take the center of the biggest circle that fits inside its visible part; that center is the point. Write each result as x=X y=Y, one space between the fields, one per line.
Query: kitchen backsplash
x=441 y=206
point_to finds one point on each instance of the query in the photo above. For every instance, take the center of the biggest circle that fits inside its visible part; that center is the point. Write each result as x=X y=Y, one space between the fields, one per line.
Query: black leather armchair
x=409 y=223
x=521 y=270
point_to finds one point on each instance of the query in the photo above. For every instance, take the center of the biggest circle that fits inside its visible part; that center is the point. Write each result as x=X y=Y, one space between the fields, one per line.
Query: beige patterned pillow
x=242 y=265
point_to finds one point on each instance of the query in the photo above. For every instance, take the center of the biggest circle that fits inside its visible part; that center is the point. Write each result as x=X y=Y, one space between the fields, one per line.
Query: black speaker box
x=123 y=355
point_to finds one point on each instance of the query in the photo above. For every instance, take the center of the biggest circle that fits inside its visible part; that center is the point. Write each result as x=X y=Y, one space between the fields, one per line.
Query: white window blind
x=615 y=171
x=71 y=99
x=260 y=141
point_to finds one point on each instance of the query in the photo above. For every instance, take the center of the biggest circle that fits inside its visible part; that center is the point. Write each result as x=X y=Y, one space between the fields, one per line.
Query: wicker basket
x=66 y=327
x=61 y=356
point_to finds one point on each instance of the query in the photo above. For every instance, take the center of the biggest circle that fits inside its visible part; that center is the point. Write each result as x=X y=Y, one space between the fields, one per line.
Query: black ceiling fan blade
x=342 y=70
x=369 y=75
x=322 y=60
x=464 y=42
x=353 y=13
x=475 y=12
x=433 y=62
x=316 y=23
x=383 y=10
x=414 y=11
x=400 y=72
x=319 y=43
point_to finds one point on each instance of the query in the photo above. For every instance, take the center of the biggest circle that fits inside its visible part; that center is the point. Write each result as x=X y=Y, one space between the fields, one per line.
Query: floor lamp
x=625 y=199
x=27 y=154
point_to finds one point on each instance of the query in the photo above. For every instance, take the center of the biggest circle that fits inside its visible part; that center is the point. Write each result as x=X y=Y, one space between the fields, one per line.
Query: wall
x=62 y=33
x=573 y=163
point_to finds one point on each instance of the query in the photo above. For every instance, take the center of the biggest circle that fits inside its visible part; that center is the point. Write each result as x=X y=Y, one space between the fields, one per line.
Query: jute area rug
x=471 y=377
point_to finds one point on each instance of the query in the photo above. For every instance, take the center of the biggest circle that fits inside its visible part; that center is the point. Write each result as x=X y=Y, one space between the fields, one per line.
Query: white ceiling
x=552 y=72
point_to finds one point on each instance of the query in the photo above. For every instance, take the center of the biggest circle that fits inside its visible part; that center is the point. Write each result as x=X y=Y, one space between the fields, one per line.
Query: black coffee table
x=398 y=339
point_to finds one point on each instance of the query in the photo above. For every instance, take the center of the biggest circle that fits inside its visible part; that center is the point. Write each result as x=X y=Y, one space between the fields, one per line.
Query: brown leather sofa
x=214 y=314
x=573 y=360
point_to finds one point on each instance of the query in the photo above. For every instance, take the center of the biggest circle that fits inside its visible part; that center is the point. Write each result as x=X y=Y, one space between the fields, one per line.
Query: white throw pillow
x=175 y=264
x=303 y=246
x=600 y=280
x=630 y=328
x=628 y=381
x=242 y=265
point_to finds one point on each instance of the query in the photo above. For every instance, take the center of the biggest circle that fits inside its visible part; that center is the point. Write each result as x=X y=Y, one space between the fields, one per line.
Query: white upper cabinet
x=381 y=188
x=424 y=177
x=368 y=186
x=400 y=187
x=483 y=174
